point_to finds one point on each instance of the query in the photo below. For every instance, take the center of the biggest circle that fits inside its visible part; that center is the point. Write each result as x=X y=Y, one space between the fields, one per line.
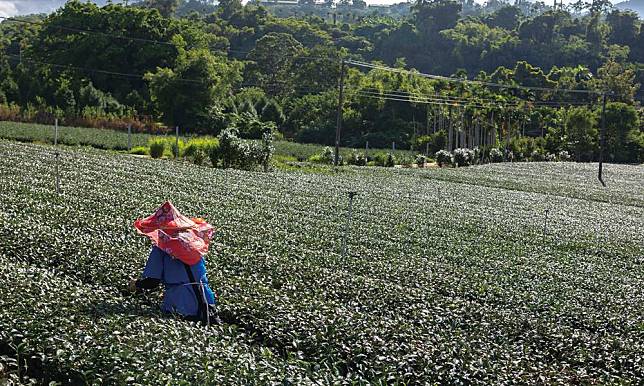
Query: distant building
x=268 y=3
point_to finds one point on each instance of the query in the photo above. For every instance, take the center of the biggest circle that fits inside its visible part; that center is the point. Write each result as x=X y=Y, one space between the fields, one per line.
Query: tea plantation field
x=450 y=277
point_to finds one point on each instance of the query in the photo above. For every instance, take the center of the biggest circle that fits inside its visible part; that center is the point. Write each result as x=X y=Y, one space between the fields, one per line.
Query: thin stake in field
x=176 y=144
x=348 y=223
x=57 y=155
x=545 y=224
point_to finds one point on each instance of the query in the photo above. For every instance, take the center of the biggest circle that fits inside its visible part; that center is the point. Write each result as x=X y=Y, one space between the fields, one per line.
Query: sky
x=10 y=8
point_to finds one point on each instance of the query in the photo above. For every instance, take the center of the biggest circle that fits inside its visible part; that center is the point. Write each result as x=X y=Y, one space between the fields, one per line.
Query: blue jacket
x=179 y=296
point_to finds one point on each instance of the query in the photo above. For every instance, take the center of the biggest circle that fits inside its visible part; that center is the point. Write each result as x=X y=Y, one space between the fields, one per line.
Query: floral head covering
x=181 y=237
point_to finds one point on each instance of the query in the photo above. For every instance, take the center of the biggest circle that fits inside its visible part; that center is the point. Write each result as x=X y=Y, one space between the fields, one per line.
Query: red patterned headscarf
x=181 y=237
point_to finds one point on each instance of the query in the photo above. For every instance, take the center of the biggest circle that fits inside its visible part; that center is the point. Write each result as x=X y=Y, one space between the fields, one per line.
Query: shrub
x=443 y=157
x=551 y=157
x=420 y=160
x=267 y=150
x=391 y=160
x=327 y=156
x=380 y=159
x=358 y=159
x=496 y=155
x=564 y=156
x=215 y=155
x=477 y=154
x=176 y=146
x=139 y=150
x=463 y=157
x=157 y=147
x=433 y=142
x=536 y=156
x=242 y=154
x=200 y=147
x=199 y=157
x=229 y=146
x=384 y=159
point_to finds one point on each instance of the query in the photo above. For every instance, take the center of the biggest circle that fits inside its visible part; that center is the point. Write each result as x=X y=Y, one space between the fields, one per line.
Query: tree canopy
x=188 y=63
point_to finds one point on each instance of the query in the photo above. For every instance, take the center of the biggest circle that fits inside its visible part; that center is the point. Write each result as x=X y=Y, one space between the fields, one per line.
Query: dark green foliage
x=139 y=150
x=157 y=148
x=624 y=135
x=583 y=136
x=357 y=159
x=421 y=160
x=463 y=157
x=443 y=158
x=496 y=155
x=327 y=156
x=432 y=143
x=242 y=66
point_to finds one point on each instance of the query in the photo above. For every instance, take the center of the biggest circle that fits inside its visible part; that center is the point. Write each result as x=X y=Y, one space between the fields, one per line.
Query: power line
x=106 y=72
x=300 y=90
x=451 y=100
x=89 y=31
x=467 y=81
x=144 y=40
x=421 y=101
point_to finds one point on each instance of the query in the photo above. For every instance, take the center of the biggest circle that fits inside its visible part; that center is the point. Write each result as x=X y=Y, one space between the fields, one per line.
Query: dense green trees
x=207 y=67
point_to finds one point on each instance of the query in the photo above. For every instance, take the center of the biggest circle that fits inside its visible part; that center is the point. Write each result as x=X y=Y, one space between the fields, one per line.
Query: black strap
x=202 y=307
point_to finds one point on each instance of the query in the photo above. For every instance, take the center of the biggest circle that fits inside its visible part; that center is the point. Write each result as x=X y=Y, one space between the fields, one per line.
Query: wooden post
x=177 y=142
x=366 y=151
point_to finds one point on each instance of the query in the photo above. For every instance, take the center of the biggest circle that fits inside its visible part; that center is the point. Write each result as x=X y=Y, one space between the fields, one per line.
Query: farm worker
x=176 y=260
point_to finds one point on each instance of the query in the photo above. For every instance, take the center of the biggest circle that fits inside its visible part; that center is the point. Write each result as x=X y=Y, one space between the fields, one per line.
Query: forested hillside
x=213 y=67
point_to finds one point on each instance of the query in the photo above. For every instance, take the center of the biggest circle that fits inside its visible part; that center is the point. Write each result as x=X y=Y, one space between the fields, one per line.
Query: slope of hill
x=635 y=5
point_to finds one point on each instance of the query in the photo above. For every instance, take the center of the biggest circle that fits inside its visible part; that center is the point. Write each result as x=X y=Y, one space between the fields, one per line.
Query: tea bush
x=466 y=290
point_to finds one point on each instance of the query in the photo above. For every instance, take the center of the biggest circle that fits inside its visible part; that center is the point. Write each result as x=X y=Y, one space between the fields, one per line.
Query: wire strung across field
x=467 y=81
x=457 y=101
x=159 y=42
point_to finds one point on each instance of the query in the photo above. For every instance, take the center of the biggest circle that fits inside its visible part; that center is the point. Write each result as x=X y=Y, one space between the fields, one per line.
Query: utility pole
x=602 y=141
x=338 y=127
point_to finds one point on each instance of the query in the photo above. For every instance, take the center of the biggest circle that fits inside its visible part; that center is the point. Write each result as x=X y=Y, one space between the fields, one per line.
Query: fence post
x=176 y=155
x=366 y=151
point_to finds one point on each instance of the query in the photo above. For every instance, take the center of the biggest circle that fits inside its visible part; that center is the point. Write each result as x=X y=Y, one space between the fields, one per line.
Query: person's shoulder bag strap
x=202 y=307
